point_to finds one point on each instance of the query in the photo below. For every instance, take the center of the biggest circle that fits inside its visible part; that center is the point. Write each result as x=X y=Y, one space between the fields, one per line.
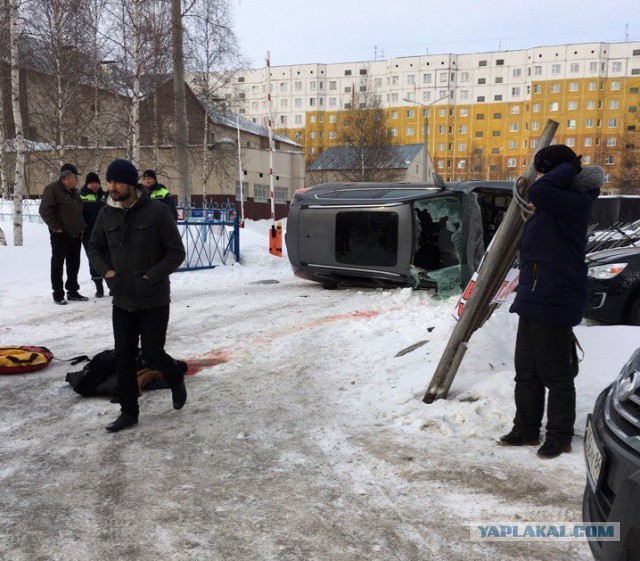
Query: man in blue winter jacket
x=551 y=298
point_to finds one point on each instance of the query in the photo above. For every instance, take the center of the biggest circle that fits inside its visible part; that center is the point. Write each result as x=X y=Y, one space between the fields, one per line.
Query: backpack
x=23 y=359
x=98 y=377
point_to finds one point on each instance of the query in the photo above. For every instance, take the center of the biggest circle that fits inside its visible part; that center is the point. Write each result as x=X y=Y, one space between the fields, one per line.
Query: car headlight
x=606 y=271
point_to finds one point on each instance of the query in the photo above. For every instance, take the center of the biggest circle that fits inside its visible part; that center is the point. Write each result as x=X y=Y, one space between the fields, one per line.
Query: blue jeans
x=149 y=327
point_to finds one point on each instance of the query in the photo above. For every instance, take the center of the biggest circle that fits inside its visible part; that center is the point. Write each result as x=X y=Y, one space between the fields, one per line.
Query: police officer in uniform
x=93 y=199
x=158 y=192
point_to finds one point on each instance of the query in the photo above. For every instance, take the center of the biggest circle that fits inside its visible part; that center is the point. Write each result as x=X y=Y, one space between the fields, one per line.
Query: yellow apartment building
x=485 y=111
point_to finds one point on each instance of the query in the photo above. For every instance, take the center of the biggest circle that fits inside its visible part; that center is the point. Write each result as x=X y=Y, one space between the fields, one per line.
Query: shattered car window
x=367 y=238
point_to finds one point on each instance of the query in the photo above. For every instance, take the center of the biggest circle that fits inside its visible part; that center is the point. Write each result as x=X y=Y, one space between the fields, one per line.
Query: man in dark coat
x=93 y=198
x=135 y=246
x=61 y=210
x=551 y=298
x=158 y=192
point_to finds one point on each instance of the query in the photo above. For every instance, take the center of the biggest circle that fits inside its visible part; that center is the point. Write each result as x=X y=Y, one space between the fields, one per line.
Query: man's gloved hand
x=576 y=163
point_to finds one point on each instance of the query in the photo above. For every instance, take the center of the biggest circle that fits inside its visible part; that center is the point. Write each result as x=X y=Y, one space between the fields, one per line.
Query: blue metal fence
x=210 y=235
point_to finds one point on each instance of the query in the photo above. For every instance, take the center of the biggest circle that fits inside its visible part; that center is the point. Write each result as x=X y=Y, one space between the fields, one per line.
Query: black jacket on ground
x=61 y=209
x=160 y=193
x=91 y=205
x=141 y=240
x=553 y=275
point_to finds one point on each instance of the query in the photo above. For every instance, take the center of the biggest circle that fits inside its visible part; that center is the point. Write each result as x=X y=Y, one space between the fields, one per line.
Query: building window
x=347 y=72
x=260 y=193
x=312 y=118
x=297 y=119
x=614 y=104
x=332 y=135
x=515 y=92
x=513 y=127
x=298 y=136
x=411 y=113
x=426 y=78
x=464 y=76
x=281 y=195
x=442 y=112
x=537 y=88
x=609 y=160
x=591 y=104
x=574 y=68
x=497 y=115
x=312 y=101
x=409 y=131
x=312 y=85
x=394 y=114
x=332 y=101
x=635 y=71
x=517 y=72
x=245 y=189
x=536 y=108
x=573 y=86
x=570 y=141
x=442 y=129
x=615 y=85
x=497 y=97
x=593 y=67
x=462 y=129
x=482 y=81
x=284 y=103
x=617 y=66
x=592 y=86
x=394 y=97
x=588 y=141
x=611 y=141
x=515 y=109
x=500 y=62
x=464 y=94
x=553 y=106
x=571 y=124
x=572 y=105
x=555 y=69
x=440 y=146
x=377 y=83
x=480 y=116
x=537 y=70
x=394 y=80
x=411 y=79
x=555 y=88
x=462 y=147
x=612 y=123
x=586 y=159
x=511 y=162
x=312 y=135
x=588 y=123
x=443 y=77
x=495 y=133
x=464 y=112
x=333 y=119
x=394 y=131
x=513 y=145
x=499 y=79
x=535 y=125
x=479 y=134
x=482 y=63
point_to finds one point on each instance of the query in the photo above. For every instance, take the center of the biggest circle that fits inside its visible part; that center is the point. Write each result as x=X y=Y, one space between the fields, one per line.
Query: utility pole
x=180 y=106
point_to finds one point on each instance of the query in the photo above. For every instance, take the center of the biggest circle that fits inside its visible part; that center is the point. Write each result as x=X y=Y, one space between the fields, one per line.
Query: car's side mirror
x=438 y=181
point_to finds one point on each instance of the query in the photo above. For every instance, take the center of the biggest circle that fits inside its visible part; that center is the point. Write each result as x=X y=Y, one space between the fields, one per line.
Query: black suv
x=614 y=285
x=612 y=452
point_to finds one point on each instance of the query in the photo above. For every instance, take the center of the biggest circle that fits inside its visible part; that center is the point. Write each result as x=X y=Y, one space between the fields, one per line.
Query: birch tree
x=17 y=119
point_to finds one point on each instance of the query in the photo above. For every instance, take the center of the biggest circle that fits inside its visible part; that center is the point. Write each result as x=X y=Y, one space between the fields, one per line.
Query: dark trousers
x=544 y=360
x=64 y=249
x=150 y=328
x=94 y=274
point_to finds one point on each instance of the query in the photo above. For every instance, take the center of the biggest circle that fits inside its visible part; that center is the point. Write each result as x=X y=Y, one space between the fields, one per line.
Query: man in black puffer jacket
x=135 y=246
x=551 y=298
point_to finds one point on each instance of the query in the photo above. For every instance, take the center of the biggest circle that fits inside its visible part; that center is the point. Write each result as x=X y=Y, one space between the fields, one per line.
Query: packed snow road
x=303 y=437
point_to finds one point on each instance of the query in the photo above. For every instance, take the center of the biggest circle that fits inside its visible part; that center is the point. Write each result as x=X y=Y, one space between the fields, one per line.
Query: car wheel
x=330 y=285
x=633 y=315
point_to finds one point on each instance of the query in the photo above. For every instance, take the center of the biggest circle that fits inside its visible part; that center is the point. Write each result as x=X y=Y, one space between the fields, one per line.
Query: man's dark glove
x=576 y=163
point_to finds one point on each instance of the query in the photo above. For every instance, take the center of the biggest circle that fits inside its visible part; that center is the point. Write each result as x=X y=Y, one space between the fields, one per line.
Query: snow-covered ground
x=304 y=437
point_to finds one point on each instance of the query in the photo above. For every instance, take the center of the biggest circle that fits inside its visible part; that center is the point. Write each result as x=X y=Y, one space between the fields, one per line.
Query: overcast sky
x=325 y=31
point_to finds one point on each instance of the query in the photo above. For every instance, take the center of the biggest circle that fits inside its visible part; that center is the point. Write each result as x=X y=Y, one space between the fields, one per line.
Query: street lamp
x=425 y=149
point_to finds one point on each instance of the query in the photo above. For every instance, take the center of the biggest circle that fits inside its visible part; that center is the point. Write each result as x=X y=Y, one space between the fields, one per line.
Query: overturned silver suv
x=394 y=234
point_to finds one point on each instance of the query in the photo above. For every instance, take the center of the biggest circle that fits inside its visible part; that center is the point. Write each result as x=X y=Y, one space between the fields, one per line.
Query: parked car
x=612 y=453
x=393 y=234
x=614 y=285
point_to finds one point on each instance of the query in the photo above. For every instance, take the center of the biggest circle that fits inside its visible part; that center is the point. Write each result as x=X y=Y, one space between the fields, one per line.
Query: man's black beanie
x=92 y=177
x=122 y=171
x=552 y=156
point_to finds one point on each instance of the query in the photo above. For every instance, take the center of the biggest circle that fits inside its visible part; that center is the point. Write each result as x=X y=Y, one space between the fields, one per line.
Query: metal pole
x=270 y=119
x=240 y=174
x=493 y=270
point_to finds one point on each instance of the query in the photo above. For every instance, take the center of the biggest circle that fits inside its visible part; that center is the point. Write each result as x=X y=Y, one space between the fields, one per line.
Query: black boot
x=553 y=447
x=518 y=438
x=99 y=289
x=76 y=297
x=179 y=392
x=124 y=421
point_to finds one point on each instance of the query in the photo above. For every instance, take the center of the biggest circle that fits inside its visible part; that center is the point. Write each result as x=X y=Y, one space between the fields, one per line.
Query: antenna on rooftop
x=626 y=31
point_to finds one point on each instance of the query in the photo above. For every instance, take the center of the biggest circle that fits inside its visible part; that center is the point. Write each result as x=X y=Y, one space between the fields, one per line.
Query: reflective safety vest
x=161 y=193
x=89 y=198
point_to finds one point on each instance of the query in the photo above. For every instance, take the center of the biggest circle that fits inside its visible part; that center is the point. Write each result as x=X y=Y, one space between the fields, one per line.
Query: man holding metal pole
x=551 y=299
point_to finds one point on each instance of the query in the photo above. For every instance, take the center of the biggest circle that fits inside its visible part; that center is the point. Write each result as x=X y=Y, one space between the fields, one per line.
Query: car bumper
x=615 y=497
x=606 y=302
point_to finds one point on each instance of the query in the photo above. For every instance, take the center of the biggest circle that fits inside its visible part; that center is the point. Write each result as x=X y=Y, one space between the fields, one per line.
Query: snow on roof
x=348 y=157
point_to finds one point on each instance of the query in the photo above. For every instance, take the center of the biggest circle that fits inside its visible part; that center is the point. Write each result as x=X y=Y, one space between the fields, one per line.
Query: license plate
x=593 y=455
